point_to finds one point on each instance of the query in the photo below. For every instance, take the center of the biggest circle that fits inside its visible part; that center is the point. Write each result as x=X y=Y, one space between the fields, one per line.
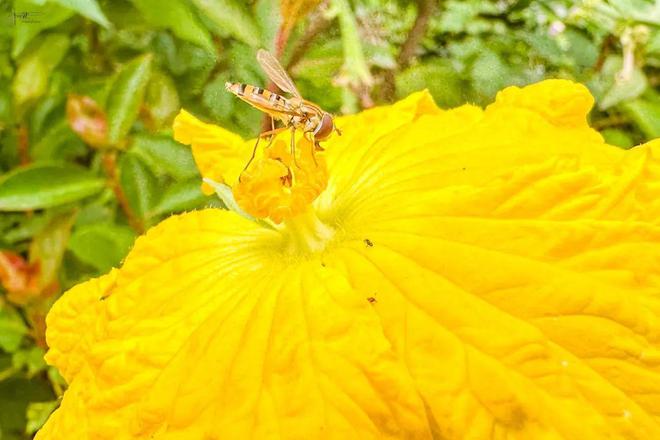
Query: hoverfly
x=295 y=112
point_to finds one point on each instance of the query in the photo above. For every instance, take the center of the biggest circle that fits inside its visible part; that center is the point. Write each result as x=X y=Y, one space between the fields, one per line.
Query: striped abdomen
x=263 y=99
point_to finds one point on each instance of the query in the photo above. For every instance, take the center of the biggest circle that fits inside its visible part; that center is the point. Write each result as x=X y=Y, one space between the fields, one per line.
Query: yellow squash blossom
x=460 y=274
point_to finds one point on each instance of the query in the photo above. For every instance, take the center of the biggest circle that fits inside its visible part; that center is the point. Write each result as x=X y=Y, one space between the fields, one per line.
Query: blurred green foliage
x=88 y=91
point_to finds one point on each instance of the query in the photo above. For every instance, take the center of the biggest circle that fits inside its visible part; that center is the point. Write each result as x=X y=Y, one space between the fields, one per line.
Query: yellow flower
x=466 y=274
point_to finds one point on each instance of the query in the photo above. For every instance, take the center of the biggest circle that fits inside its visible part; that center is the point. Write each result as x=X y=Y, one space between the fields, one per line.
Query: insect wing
x=276 y=72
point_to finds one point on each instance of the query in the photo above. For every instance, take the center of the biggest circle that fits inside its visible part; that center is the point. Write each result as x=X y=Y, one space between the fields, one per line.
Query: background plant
x=88 y=91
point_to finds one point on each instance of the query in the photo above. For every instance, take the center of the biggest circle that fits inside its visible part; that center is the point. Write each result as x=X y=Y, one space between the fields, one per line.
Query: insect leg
x=272 y=129
x=293 y=146
x=314 y=154
x=270 y=133
x=316 y=145
x=254 y=151
x=273 y=132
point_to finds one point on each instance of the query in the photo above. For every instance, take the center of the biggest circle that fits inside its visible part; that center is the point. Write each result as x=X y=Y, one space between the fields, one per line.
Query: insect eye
x=324 y=128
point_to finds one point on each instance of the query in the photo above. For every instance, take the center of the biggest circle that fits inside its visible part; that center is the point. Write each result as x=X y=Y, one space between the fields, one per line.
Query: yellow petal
x=482 y=274
x=561 y=102
x=520 y=321
x=80 y=306
x=219 y=154
x=499 y=253
x=209 y=338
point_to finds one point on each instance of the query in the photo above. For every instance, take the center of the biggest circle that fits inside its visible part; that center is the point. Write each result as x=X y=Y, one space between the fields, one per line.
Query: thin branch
x=281 y=39
x=317 y=25
x=109 y=160
x=606 y=47
x=425 y=9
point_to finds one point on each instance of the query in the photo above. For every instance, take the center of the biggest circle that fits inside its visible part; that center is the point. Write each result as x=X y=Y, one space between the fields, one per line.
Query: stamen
x=280 y=186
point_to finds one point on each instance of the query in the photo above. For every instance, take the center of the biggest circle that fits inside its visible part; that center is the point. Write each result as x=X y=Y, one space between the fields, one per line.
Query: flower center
x=306 y=234
x=279 y=186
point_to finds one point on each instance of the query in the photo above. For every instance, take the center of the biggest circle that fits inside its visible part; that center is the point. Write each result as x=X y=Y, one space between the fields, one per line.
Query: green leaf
x=58 y=142
x=455 y=17
x=86 y=8
x=443 y=82
x=644 y=11
x=182 y=196
x=50 y=104
x=624 y=90
x=646 y=114
x=46 y=185
x=6 y=369
x=99 y=209
x=230 y=18
x=216 y=99
x=37 y=414
x=458 y=15
x=653 y=46
x=126 y=96
x=102 y=246
x=35 y=68
x=199 y=64
x=31 y=360
x=6 y=111
x=27 y=227
x=12 y=328
x=315 y=73
x=139 y=184
x=48 y=247
x=620 y=138
x=582 y=50
x=226 y=196
x=50 y=15
x=268 y=18
x=57 y=381
x=177 y=16
x=15 y=395
x=164 y=154
x=162 y=99
x=616 y=90
x=543 y=45
x=489 y=74
x=464 y=49
x=321 y=63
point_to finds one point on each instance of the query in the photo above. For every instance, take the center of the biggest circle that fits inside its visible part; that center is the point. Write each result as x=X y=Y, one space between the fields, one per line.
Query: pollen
x=277 y=186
